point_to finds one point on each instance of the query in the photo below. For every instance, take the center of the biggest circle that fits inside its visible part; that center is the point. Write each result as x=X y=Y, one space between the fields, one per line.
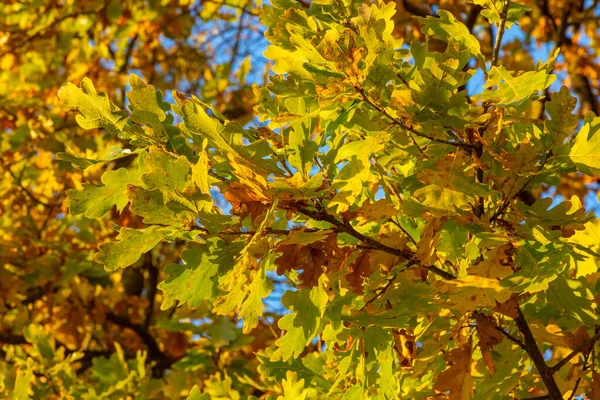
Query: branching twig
x=380 y=292
x=507 y=201
x=342 y=226
x=28 y=193
x=397 y=122
x=578 y=349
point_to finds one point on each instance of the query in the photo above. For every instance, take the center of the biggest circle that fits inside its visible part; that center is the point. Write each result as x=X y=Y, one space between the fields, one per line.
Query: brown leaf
x=498 y=263
x=359 y=270
x=595 y=385
x=245 y=202
x=312 y=258
x=457 y=379
x=488 y=337
x=508 y=308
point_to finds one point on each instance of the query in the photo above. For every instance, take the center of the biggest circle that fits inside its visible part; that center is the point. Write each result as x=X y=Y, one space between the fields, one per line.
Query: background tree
x=57 y=305
x=389 y=177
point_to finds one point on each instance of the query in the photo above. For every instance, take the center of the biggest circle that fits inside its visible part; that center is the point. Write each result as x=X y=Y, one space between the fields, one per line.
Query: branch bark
x=536 y=356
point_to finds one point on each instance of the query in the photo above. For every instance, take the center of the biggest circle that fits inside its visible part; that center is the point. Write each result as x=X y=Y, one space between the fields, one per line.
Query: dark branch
x=536 y=356
x=163 y=361
x=152 y=284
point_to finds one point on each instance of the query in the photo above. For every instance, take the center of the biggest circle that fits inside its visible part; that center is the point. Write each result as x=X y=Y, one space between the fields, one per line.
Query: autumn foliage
x=397 y=204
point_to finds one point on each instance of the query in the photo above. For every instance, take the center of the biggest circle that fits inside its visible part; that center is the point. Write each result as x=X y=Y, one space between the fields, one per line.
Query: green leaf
x=43 y=344
x=195 y=394
x=381 y=361
x=166 y=172
x=492 y=11
x=130 y=245
x=443 y=199
x=147 y=107
x=192 y=283
x=301 y=326
x=293 y=388
x=95 y=109
x=198 y=122
x=23 y=381
x=585 y=152
x=200 y=172
x=448 y=29
x=573 y=296
x=150 y=204
x=563 y=122
x=114 y=153
x=222 y=331
x=261 y=287
x=514 y=90
x=95 y=201
x=302 y=148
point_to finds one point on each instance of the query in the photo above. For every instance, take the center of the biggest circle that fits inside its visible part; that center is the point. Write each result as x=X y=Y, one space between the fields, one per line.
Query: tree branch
x=536 y=356
x=345 y=227
x=582 y=347
x=152 y=284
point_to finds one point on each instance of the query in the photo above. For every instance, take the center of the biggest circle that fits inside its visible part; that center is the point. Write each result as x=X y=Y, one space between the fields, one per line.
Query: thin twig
x=380 y=292
x=511 y=338
x=507 y=201
x=267 y=231
x=500 y=33
x=28 y=193
x=404 y=231
x=397 y=122
x=345 y=227
x=585 y=367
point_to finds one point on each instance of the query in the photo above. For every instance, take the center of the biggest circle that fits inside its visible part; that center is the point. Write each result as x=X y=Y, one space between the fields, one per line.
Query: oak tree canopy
x=396 y=202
